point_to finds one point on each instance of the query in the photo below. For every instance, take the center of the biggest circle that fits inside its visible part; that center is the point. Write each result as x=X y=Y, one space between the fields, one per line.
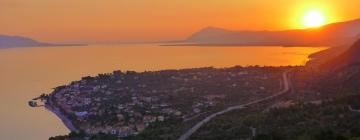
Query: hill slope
x=350 y=57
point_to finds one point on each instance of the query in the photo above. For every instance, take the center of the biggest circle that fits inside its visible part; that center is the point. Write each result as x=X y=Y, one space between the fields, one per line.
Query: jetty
x=39 y=101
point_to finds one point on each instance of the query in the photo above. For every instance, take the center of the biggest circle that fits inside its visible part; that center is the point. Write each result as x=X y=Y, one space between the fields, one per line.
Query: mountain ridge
x=7 y=41
x=339 y=33
x=19 y=41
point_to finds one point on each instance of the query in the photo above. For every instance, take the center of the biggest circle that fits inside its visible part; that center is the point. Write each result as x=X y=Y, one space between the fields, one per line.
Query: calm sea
x=28 y=72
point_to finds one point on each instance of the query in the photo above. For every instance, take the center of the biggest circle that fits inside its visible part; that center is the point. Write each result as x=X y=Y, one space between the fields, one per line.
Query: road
x=353 y=110
x=192 y=130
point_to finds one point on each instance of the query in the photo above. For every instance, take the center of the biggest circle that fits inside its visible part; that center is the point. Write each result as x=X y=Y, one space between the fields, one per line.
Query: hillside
x=329 y=120
x=349 y=57
x=329 y=35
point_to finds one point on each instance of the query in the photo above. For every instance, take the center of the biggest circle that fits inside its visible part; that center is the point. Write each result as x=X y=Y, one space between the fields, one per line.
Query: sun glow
x=313 y=19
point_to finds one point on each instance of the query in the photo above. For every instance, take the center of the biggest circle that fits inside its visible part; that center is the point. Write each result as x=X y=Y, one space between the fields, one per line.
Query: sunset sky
x=156 y=20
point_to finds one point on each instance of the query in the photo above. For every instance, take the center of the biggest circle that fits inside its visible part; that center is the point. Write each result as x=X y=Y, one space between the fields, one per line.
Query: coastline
x=238 y=45
x=66 y=121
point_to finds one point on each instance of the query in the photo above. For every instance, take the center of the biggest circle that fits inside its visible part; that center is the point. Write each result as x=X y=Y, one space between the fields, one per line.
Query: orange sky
x=153 y=20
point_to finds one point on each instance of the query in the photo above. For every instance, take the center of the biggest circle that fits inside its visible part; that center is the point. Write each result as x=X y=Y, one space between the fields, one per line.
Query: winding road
x=192 y=130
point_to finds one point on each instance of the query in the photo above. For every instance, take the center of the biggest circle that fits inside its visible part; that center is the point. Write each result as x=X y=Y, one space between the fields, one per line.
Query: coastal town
x=125 y=103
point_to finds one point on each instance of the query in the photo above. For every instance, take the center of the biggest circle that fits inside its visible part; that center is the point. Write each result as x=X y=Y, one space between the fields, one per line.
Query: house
x=196 y=110
x=161 y=118
x=164 y=105
x=140 y=127
x=243 y=73
x=177 y=113
x=149 y=119
x=125 y=131
x=81 y=114
x=120 y=117
x=87 y=101
x=113 y=132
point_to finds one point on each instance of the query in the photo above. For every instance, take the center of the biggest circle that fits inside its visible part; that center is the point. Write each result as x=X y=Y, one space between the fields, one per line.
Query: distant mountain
x=18 y=41
x=329 y=35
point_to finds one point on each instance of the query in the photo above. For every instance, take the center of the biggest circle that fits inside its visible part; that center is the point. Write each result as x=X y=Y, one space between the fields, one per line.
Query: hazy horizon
x=143 y=21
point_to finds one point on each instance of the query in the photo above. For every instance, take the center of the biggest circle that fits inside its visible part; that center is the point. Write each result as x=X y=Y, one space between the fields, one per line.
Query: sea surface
x=27 y=72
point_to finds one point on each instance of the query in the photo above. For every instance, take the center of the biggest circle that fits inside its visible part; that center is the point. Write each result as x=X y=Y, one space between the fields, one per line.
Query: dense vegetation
x=168 y=130
x=332 y=120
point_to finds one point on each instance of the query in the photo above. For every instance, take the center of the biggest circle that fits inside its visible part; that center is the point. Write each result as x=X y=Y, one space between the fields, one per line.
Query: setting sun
x=313 y=19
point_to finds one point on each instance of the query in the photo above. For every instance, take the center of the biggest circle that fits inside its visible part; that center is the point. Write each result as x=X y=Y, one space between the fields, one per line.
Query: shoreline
x=65 y=120
x=240 y=45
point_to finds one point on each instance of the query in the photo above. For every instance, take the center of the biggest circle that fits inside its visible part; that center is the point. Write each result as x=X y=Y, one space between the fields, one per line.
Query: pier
x=39 y=101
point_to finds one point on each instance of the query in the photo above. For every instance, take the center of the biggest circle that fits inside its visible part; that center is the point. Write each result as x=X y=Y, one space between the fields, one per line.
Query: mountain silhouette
x=335 y=34
x=18 y=41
